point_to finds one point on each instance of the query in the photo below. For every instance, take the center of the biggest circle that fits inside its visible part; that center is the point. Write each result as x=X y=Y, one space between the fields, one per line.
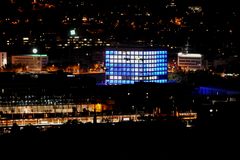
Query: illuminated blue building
x=130 y=66
x=215 y=91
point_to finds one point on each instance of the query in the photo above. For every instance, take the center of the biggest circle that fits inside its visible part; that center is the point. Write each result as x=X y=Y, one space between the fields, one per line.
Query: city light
x=110 y=62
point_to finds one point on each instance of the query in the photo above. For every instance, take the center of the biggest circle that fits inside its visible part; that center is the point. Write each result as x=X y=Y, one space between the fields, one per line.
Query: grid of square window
x=128 y=67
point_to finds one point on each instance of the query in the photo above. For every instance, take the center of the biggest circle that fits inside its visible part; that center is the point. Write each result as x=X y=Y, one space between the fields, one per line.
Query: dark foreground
x=125 y=141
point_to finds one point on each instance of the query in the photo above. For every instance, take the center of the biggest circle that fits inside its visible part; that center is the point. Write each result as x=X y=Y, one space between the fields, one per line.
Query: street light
x=35 y=50
x=73 y=32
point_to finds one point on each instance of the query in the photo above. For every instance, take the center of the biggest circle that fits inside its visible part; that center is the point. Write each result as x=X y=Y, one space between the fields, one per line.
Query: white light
x=111 y=77
x=190 y=55
x=4 y=61
x=34 y=50
x=72 y=32
x=25 y=38
x=211 y=110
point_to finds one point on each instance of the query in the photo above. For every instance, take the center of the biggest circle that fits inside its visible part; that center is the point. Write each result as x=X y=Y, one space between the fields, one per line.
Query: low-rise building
x=190 y=61
x=33 y=62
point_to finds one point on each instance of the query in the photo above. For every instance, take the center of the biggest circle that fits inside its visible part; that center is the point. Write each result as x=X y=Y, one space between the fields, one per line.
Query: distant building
x=127 y=66
x=3 y=58
x=33 y=62
x=190 y=61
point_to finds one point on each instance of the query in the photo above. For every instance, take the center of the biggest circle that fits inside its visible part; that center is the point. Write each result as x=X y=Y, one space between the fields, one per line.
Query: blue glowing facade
x=128 y=67
x=215 y=91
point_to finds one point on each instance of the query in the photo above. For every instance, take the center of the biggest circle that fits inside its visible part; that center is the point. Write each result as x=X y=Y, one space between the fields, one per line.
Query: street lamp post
x=71 y=37
x=37 y=60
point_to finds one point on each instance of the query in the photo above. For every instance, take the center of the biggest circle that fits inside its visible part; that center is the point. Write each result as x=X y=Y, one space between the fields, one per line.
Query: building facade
x=129 y=66
x=190 y=61
x=33 y=62
x=3 y=59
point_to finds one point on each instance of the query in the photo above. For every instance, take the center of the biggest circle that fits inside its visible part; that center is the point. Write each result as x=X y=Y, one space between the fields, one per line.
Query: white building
x=33 y=62
x=3 y=58
x=190 y=61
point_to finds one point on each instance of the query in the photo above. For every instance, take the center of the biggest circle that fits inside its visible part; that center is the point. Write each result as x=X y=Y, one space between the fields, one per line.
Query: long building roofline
x=190 y=55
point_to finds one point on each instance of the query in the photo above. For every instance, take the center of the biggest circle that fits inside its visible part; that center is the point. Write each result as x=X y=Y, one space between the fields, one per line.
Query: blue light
x=149 y=64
